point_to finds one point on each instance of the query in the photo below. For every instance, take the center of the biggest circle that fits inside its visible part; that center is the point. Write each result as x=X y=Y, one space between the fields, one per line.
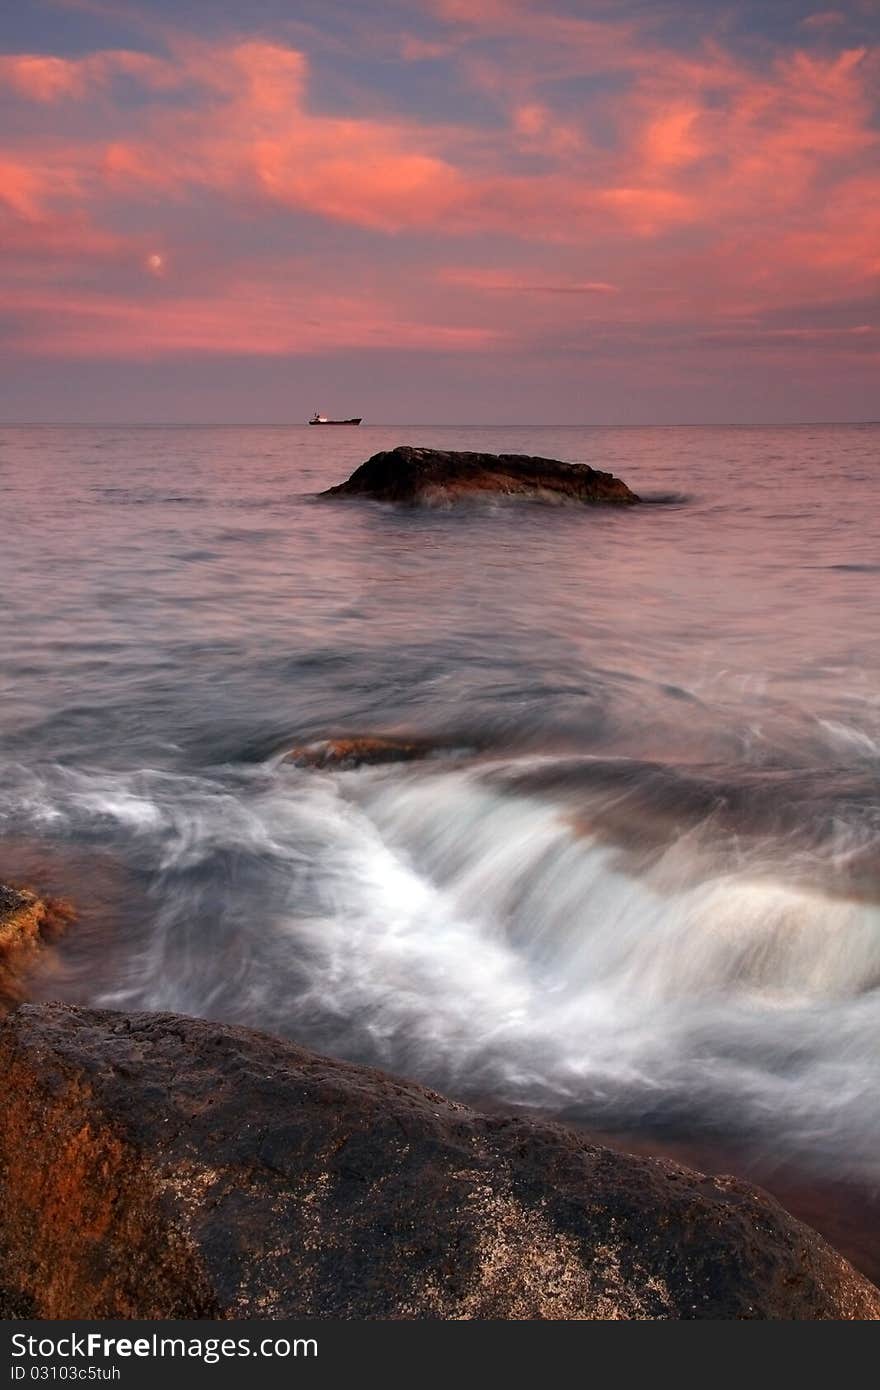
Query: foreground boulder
x=27 y=925
x=154 y=1166
x=437 y=477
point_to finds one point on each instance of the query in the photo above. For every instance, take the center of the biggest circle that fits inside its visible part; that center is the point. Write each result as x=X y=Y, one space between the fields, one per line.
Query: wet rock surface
x=370 y=751
x=438 y=477
x=367 y=750
x=159 y=1166
x=27 y=925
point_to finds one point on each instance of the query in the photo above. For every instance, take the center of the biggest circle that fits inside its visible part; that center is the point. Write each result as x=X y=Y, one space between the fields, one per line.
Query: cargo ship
x=319 y=419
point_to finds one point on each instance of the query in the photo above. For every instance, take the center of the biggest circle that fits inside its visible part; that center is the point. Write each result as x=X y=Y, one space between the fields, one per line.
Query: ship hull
x=337 y=422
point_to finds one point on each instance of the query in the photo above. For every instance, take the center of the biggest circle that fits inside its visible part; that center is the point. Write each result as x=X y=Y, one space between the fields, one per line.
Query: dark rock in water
x=370 y=750
x=27 y=924
x=154 y=1166
x=436 y=477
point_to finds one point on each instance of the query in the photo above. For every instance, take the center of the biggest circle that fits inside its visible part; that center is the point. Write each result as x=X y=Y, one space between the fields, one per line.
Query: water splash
x=491 y=939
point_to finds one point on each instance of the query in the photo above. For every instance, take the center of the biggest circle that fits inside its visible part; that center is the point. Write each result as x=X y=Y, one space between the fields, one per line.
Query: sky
x=440 y=211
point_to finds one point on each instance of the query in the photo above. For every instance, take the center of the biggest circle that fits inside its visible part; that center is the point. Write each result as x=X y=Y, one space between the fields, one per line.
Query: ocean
x=636 y=887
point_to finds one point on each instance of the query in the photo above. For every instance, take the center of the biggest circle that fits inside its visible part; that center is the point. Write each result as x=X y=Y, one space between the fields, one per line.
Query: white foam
x=474 y=937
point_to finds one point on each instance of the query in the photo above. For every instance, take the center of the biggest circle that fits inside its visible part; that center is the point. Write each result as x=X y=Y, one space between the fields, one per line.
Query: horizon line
x=423 y=424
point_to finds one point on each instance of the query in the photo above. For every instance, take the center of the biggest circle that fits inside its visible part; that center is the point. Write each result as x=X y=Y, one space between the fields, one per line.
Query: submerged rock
x=154 y=1166
x=27 y=924
x=437 y=477
x=368 y=750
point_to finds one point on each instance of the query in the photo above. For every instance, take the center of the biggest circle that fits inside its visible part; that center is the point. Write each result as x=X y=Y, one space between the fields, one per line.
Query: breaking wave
x=624 y=942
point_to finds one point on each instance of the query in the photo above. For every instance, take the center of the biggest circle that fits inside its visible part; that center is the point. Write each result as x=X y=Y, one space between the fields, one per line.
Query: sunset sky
x=469 y=211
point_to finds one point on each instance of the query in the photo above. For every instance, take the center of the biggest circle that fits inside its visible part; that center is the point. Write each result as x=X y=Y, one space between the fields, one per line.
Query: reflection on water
x=648 y=901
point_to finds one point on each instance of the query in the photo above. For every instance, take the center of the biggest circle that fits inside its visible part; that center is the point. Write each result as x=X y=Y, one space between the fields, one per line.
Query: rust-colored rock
x=343 y=754
x=27 y=924
x=154 y=1166
x=437 y=477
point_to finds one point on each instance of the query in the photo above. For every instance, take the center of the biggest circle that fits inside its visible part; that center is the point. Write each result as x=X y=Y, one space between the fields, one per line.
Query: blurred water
x=649 y=899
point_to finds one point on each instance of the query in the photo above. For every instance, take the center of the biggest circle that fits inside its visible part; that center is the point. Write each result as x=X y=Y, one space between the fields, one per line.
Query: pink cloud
x=44 y=78
x=508 y=282
x=416 y=50
x=21 y=189
x=251 y=317
x=671 y=138
x=682 y=157
x=824 y=19
x=721 y=187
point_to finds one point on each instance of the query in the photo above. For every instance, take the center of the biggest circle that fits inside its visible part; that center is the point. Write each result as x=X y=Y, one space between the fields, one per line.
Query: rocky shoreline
x=159 y=1166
